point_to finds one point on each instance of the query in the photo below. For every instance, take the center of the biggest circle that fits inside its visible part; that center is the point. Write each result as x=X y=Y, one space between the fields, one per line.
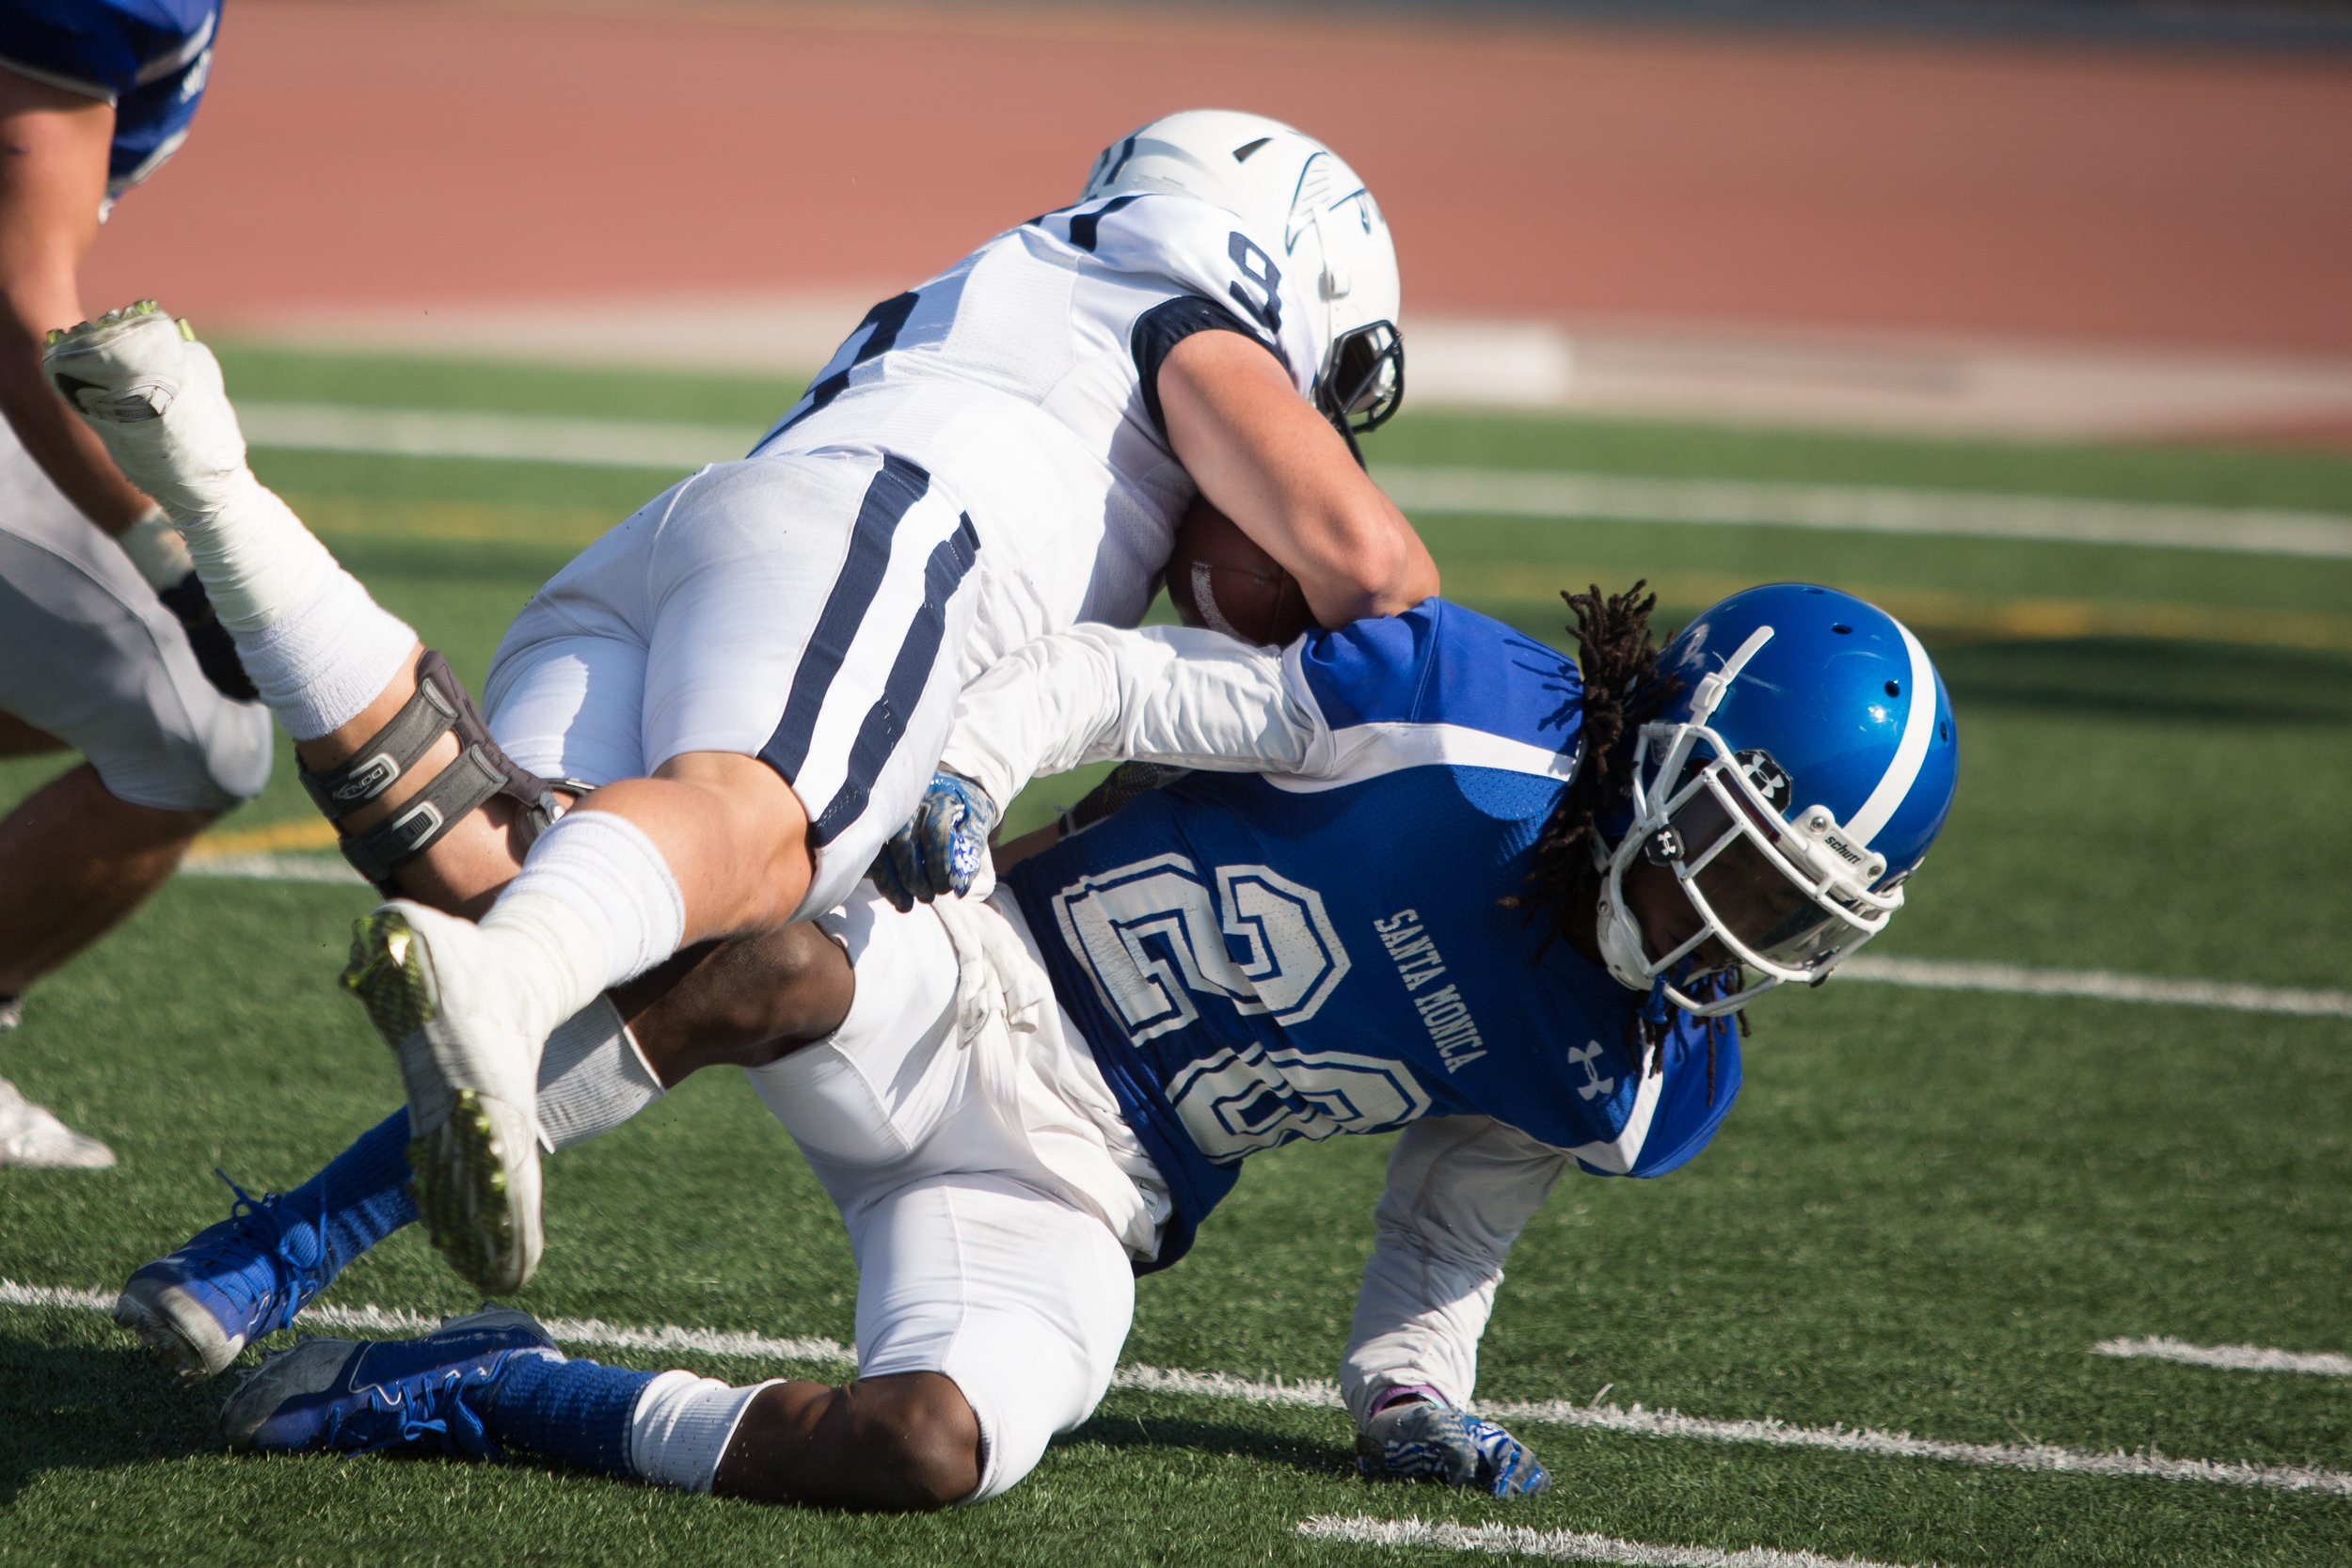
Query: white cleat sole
x=171 y=1323
x=474 y=1152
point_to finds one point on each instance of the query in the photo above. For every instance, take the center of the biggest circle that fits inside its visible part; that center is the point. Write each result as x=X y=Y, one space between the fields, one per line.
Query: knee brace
x=480 y=773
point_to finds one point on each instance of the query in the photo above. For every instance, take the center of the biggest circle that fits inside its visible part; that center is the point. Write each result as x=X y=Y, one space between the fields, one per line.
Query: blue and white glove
x=941 y=848
x=1413 y=1438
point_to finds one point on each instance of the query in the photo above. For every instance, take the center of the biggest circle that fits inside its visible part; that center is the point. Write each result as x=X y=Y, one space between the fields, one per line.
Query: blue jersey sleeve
x=1441 y=669
x=149 y=58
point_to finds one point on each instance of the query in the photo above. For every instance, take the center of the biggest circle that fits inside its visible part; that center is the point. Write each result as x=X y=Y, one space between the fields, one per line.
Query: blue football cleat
x=362 y=1396
x=232 y=1284
x=1437 y=1442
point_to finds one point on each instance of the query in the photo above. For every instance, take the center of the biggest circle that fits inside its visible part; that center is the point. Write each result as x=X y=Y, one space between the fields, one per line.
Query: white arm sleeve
x=1171 y=694
x=1460 y=1189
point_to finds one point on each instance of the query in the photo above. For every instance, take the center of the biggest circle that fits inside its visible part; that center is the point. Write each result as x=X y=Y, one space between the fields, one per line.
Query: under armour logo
x=1594 y=1085
x=1771 y=780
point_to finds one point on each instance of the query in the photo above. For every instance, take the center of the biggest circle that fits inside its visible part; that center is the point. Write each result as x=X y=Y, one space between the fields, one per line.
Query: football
x=1221 y=580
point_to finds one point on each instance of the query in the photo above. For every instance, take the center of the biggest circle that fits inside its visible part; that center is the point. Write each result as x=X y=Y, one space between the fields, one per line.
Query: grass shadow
x=1224 y=1439
x=69 y=1407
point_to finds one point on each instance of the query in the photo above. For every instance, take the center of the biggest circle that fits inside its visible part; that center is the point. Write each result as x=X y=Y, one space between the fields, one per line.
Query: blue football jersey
x=1259 y=958
x=149 y=58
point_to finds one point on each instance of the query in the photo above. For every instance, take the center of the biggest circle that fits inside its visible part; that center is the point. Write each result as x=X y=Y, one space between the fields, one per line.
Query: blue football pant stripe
x=891 y=495
x=950 y=562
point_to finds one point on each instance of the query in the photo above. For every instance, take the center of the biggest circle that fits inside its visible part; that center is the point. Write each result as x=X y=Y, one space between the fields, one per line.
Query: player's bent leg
x=91 y=660
x=402 y=774
x=76 y=860
x=900 y=1442
x=1017 y=1298
x=493 y=1383
x=246 y=1277
x=723 y=838
x=746 y=1001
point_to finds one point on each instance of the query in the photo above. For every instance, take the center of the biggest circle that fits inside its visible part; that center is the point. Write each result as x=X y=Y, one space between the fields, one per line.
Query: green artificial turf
x=1926 y=1209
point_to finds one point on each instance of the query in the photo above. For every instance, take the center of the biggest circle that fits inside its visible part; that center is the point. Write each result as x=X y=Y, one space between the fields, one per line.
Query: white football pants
x=89 y=654
x=992 y=1194
x=811 y=610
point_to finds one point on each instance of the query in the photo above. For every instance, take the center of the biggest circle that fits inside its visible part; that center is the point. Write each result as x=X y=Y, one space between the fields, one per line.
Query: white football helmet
x=1288 y=188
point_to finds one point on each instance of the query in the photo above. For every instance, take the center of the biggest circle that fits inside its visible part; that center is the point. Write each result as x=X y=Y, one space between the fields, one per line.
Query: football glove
x=215 y=650
x=1421 y=1439
x=161 y=556
x=941 y=848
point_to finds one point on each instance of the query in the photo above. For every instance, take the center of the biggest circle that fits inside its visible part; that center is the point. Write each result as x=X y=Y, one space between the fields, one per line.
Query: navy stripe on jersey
x=1169 y=323
x=892 y=494
x=910 y=673
x=1082 y=228
x=888 y=319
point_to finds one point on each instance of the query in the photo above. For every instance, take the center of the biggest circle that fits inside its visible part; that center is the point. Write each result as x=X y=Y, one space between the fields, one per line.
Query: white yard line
x=2098 y=984
x=571 y=1331
x=1554 y=496
x=2036 y=1457
x=1559 y=1545
x=2237 y=1358
x=459 y=432
x=1320 y=1394
x=1865 y=508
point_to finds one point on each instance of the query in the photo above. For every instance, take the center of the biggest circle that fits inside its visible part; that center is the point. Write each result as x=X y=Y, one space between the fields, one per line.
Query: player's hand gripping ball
x=1221 y=580
x=941 y=848
x=1423 y=1440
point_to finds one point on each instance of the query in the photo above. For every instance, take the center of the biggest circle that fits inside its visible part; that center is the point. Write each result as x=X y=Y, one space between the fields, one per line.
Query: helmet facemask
x=1366 y=381
x=1787 y=899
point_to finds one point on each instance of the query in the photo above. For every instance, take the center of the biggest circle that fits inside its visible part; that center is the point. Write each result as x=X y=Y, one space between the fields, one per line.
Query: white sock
x=593 y=904
x=681 y=1426
x=319 y=663
x=592 y=1077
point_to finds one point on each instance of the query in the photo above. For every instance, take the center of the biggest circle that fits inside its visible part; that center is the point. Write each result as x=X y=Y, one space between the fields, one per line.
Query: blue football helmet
x=1792 y=785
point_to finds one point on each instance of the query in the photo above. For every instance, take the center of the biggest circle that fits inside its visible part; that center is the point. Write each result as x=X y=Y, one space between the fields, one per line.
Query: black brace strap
x=386 y=759
x=480 y=773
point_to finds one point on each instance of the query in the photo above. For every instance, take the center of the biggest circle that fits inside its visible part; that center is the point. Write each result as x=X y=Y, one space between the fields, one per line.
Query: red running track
x=396 y=151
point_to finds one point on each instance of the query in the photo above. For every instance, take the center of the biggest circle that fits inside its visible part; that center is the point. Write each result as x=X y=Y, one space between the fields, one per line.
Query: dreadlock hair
x=1624 y=690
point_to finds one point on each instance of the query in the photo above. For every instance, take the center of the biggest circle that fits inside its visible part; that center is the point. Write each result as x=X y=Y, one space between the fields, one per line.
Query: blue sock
x=575 y=1411
x=358 y=1199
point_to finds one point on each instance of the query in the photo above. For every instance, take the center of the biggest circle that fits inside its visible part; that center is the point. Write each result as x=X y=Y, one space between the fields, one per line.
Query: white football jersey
x=1023 y=380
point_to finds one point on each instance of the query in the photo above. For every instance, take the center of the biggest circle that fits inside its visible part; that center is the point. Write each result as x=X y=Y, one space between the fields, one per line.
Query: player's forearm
x=72 y=456
x=1268 y=460
x=1459 y=1191
x=1094 y=693
x=1417 y=1323
x=53 y=175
